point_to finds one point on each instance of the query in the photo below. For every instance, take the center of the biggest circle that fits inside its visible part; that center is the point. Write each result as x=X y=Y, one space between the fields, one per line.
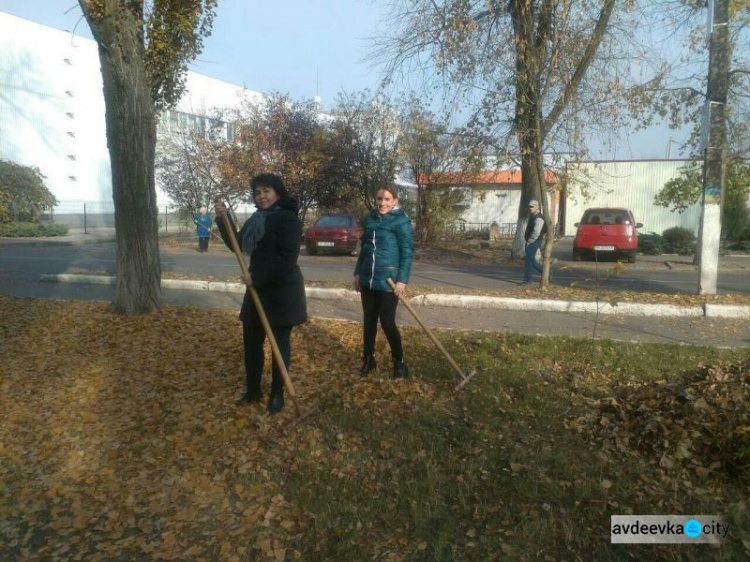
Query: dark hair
x=390 y=189
x=269 y=180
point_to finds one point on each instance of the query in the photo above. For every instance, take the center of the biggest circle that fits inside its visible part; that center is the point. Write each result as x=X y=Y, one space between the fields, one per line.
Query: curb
x=546 y=305
x=453 y=301
x=727 y=311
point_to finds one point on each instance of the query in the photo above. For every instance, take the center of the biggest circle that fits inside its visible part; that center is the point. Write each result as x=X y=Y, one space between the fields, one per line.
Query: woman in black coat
x=271 y=237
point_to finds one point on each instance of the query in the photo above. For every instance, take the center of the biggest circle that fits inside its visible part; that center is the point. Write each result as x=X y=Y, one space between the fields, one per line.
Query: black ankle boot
x=368 y=364
x=275 y=404
x=250 y=397
x=400 y=370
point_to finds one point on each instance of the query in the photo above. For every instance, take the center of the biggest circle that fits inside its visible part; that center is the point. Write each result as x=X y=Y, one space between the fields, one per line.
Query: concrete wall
x=488 y=204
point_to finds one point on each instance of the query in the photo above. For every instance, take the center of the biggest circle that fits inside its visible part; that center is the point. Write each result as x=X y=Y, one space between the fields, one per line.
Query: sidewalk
x=684 y=330
x=709 y=324
x=453 y=301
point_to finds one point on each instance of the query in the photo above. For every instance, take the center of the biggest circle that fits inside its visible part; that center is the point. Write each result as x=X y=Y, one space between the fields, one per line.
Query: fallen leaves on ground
x=120 y=440
x=119 y=437
x=699 y=424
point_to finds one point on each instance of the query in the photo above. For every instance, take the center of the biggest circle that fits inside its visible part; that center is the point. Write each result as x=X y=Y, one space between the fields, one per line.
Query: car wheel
x=576 y=255
x=355 y=251
x=311 y=252
x=631 y=257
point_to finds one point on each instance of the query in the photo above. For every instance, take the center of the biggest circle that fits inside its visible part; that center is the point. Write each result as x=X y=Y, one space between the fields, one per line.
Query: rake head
x=465 y=380
x=301 y=417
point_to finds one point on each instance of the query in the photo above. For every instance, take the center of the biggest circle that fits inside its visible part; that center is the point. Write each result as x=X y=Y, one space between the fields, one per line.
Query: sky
x=299 y=47
x=304 y=48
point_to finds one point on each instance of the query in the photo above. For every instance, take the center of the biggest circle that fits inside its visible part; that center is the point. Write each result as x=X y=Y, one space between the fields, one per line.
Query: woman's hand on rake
x=400 y=289
x=247 y=279
x=220 y=208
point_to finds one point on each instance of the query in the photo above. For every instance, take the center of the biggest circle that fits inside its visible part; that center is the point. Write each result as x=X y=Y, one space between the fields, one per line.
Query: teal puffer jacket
x=387 y=250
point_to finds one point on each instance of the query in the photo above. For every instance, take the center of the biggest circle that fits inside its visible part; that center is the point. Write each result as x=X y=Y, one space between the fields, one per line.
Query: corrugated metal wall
x=629 y=184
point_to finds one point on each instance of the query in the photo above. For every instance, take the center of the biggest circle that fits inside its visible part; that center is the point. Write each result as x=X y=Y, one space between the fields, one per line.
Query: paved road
x=651 y=275
x=20 y=268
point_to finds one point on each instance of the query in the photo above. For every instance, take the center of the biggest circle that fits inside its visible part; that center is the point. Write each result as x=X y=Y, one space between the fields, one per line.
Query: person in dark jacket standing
x=271 y=237
x=534 y=236
x=203 y=229
x=387 y=251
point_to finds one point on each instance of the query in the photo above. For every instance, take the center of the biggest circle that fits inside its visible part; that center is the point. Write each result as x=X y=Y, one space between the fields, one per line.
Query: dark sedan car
x=334 y=233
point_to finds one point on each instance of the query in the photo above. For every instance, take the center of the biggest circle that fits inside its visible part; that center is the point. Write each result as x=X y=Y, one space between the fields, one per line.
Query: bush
x=32 y=229
x=651 y=244
x=738 y=246
x=23 y=195
x=679 y=240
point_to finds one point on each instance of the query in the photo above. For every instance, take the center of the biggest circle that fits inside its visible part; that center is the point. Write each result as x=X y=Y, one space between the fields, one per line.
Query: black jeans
x=203 y=243
x=253 y=338
x=382 y=305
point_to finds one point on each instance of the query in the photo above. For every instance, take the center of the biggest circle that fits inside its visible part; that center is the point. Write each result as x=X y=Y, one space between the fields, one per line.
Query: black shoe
x=276 y=404
x=249 y=398
x=400 y=370
x=525 y=283
x=368 y=364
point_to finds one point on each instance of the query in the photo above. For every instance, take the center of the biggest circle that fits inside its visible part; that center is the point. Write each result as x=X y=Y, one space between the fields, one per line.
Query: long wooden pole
x=429 y=333
x=262 y=314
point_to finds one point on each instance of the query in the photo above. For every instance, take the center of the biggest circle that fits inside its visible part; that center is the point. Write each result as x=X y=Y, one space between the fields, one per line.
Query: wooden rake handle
x=429 y=333
x=261 y=313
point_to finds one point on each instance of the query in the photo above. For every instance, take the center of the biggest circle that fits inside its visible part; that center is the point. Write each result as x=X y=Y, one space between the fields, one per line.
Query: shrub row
x=32 y=229
x=675 y=240
x=681 y=241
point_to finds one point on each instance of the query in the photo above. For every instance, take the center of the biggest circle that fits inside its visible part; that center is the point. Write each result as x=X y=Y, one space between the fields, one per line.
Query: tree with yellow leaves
x=144 y=51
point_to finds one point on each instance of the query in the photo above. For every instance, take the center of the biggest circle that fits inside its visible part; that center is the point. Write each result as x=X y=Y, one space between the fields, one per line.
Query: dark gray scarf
x=255 y=230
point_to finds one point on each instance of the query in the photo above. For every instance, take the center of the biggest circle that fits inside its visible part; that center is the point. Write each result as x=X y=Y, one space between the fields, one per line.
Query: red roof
x=496 y=176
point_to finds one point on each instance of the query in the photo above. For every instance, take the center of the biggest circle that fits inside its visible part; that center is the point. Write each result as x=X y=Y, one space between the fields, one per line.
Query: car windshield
x=605 y=216
x=339 y=222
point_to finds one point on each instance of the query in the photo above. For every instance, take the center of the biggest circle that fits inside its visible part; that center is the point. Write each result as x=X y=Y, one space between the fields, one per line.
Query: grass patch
x=119 y=440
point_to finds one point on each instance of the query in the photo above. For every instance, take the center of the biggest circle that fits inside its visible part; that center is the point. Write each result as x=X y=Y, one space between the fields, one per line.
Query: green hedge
x=32 y=229
x=679 y=240
x=651 y=244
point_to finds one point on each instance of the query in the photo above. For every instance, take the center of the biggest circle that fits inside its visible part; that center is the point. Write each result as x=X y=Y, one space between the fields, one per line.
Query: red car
x=606 y=232
x=334 y=233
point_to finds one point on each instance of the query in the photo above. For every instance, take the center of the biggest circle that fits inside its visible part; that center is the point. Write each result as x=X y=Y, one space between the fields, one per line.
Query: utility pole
x=713 y=143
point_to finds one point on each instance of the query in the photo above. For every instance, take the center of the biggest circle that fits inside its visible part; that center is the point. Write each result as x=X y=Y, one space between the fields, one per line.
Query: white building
x=490 y=199
x=629 y=184
x=52 y=109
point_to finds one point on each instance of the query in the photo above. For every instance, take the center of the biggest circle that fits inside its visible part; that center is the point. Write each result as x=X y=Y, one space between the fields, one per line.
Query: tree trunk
x=131 y=139
x=528 y=117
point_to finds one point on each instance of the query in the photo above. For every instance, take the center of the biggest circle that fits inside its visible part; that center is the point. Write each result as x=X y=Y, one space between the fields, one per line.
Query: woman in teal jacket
x=387 y=251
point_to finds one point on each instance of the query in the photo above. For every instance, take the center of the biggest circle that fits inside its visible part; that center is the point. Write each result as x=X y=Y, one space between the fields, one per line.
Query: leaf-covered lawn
x=119 y=440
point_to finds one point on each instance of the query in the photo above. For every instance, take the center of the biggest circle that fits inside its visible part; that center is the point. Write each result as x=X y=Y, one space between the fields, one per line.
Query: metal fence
x=97 y=215
x=484 y=230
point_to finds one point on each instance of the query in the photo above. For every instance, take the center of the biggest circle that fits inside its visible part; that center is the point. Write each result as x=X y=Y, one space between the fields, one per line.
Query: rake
x=464 y=378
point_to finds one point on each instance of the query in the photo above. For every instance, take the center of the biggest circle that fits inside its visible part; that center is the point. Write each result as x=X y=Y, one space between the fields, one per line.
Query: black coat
x=274 y=270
